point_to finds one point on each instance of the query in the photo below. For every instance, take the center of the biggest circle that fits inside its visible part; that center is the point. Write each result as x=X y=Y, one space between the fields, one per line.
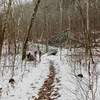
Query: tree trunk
x=89 y=32
x=70 y=45
x=5 y=25
x=61 y=21
x=61 y=15
x=29 y=30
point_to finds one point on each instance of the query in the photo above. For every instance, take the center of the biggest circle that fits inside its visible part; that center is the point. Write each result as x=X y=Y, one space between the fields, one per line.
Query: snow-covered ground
x=30 y=78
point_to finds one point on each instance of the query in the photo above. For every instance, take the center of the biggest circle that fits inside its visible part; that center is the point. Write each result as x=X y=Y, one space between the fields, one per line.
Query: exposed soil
x=48 y=90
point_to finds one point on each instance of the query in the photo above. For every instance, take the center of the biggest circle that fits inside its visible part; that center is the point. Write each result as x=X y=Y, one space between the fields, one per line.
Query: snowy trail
x=33 y=81
x=48 y=90
x=66 y=83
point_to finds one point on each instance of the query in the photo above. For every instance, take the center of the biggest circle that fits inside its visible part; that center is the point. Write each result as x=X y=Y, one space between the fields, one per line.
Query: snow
x=29 y=78
x=28 y=87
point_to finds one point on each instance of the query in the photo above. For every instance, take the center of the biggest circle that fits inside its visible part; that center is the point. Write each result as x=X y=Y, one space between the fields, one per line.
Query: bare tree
x=29 y=30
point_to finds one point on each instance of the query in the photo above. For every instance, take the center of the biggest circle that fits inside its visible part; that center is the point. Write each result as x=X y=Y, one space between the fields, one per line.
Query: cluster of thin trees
x=40 y=19
x=20 y=22
x=52 y=17
x=57 y=12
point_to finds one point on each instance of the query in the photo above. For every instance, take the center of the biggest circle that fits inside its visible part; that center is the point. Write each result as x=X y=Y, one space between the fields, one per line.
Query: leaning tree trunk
x=29 y=30
x=5 y=25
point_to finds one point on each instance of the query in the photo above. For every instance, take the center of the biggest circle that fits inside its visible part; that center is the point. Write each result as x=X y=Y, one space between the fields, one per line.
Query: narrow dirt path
x=48 y=90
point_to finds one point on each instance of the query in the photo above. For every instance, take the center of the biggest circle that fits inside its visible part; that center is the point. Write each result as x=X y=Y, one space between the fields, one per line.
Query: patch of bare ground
x=48 y=90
